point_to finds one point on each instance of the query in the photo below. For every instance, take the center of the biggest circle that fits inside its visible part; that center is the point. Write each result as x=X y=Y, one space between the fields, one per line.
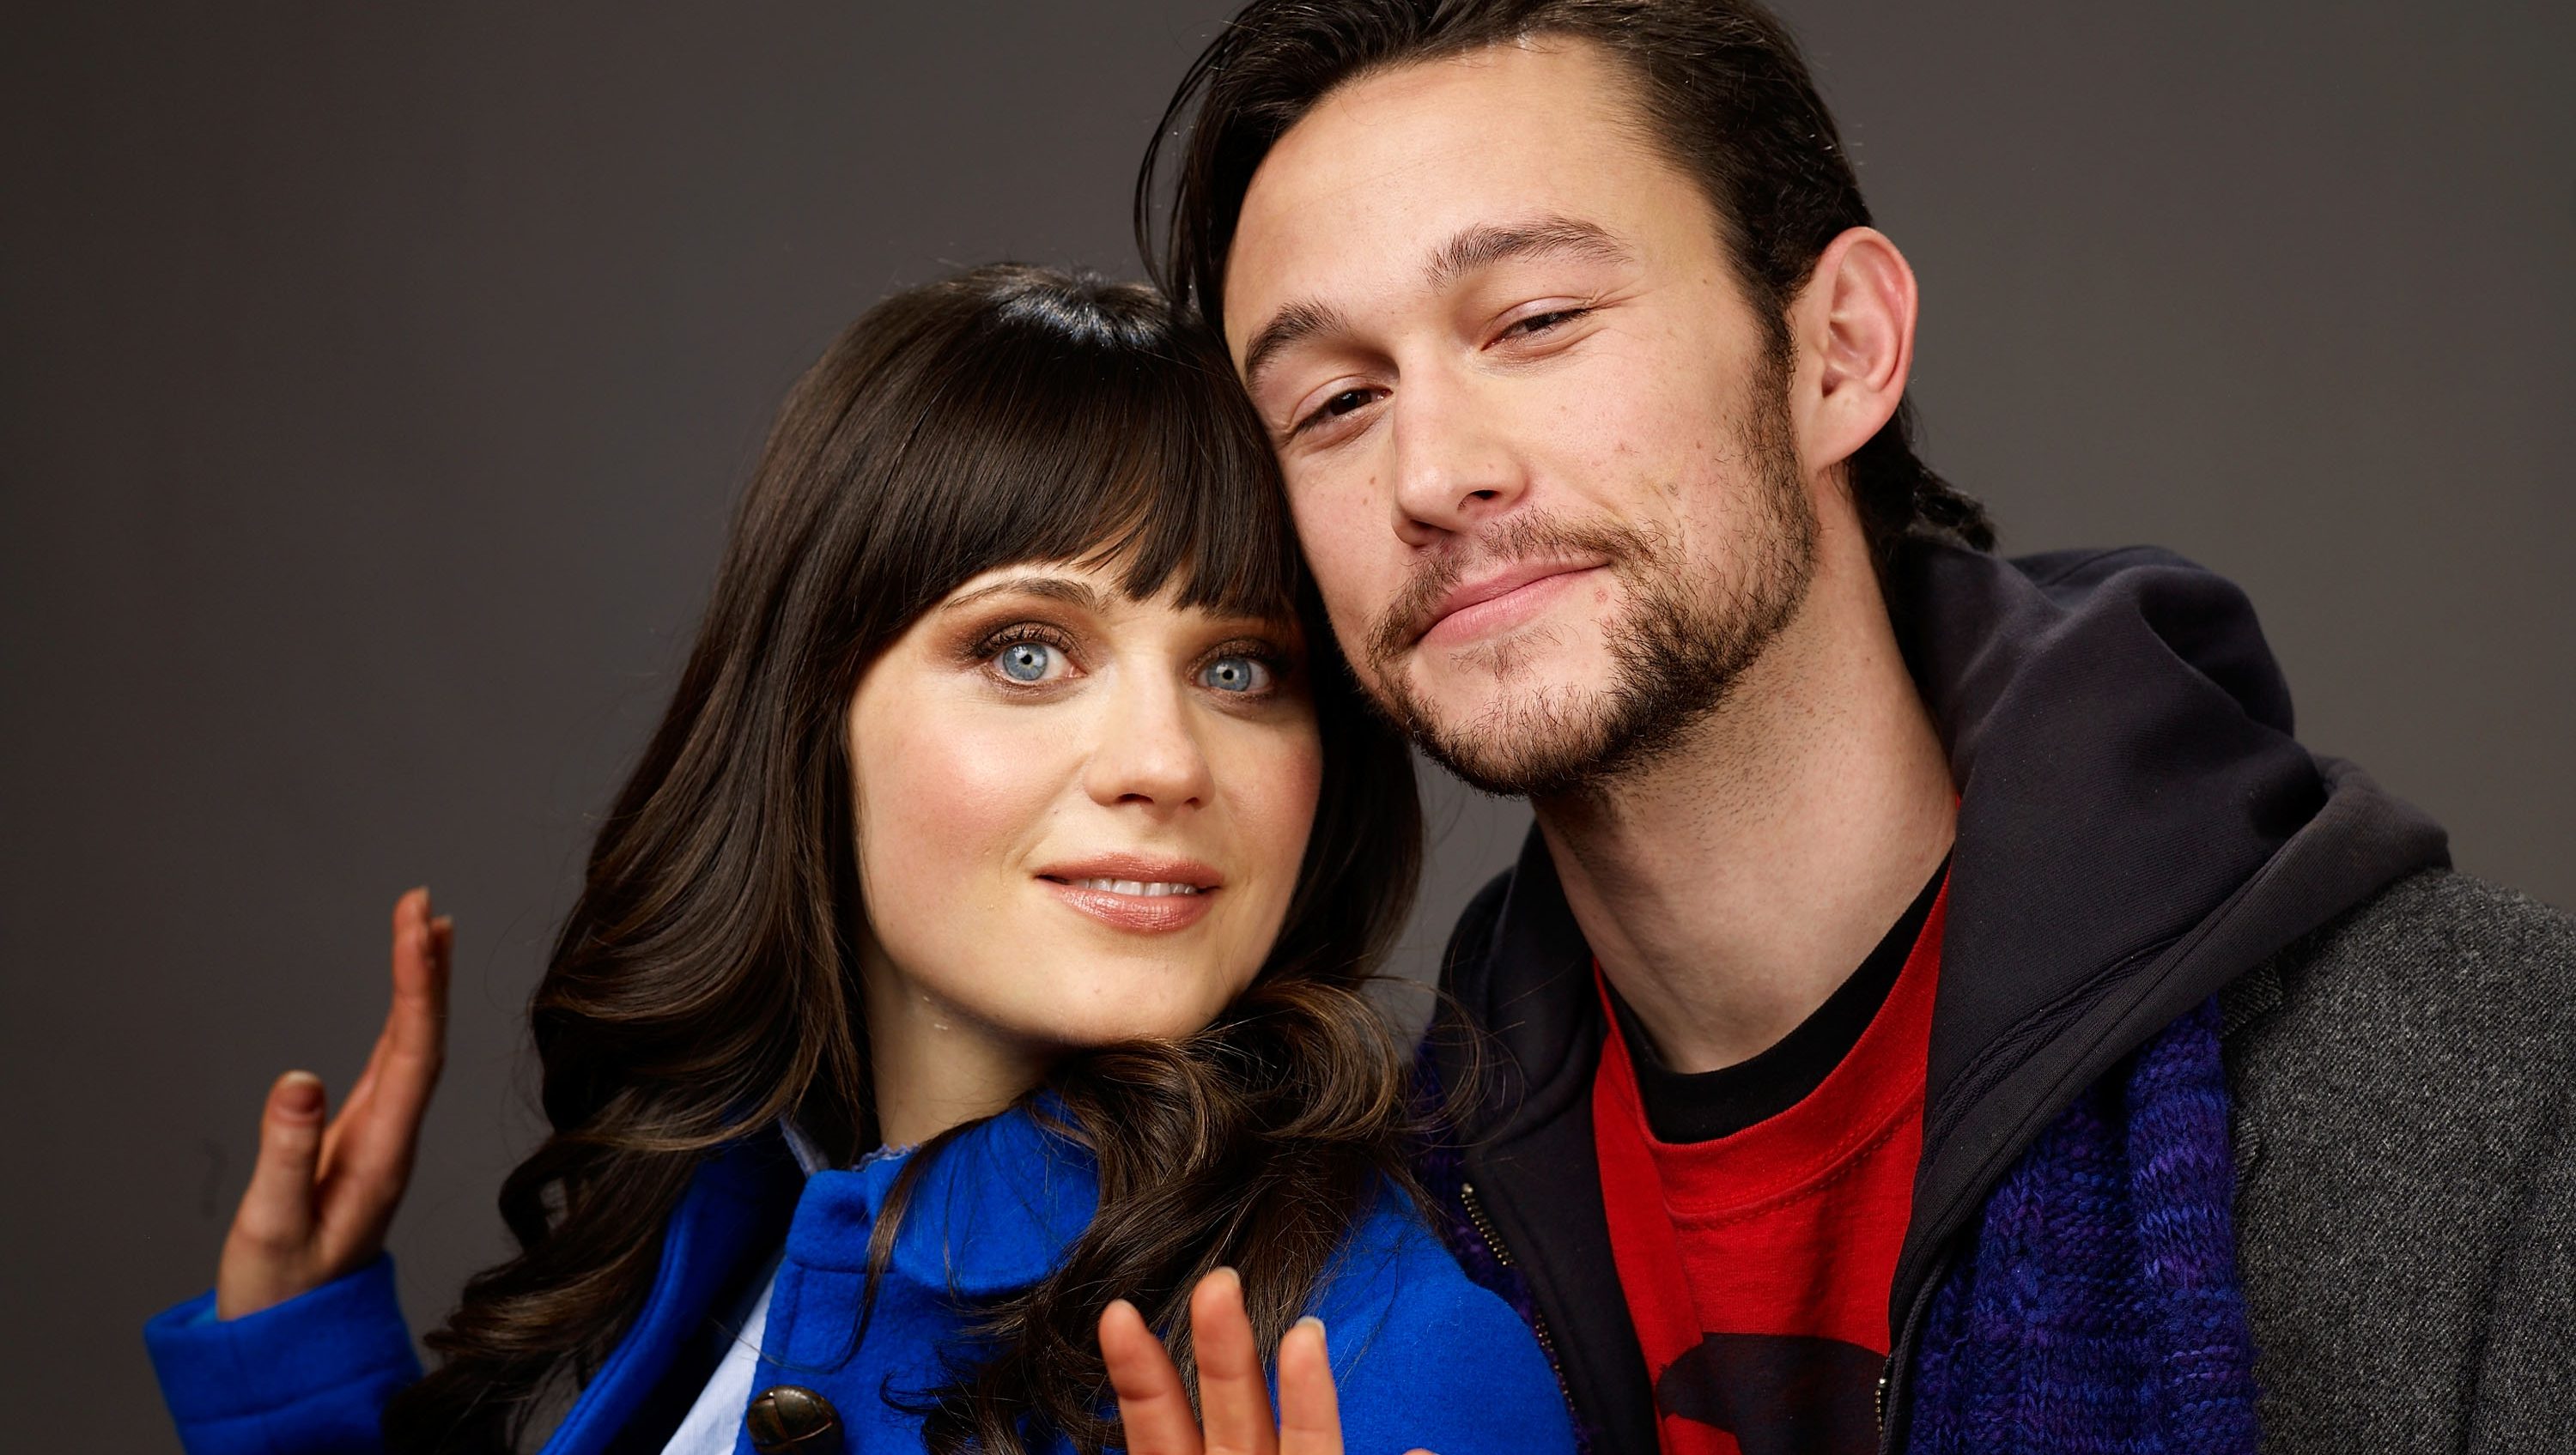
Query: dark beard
x=1678 y=651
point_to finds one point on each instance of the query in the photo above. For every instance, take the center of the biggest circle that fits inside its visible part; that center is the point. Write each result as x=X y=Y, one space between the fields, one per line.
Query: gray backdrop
x=375 y=385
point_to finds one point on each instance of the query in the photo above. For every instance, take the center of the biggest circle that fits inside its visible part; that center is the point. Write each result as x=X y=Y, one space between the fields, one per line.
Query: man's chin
x=1557 y=726
x=1524 y=742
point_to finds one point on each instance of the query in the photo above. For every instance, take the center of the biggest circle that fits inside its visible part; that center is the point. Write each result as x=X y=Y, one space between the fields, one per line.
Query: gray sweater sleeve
x=2525 y=1395
x=2406 y=1199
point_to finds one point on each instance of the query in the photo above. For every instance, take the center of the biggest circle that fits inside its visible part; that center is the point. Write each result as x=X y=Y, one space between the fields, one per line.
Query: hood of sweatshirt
x=2137 y=827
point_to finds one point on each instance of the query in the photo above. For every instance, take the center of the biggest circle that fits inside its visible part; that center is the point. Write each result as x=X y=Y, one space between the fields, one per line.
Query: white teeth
x=1135 y=886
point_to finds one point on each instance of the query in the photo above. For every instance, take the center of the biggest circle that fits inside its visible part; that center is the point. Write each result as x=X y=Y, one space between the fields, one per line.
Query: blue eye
x=1026 y=661
x=1236 y=674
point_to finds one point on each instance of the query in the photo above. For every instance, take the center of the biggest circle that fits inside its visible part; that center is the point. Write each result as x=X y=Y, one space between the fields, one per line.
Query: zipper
x=1503 y=1256
x=1906 y=1338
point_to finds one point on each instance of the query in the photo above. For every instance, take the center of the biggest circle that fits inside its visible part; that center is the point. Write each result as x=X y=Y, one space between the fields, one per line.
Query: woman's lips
x=1146 y=894
x=1144 y=913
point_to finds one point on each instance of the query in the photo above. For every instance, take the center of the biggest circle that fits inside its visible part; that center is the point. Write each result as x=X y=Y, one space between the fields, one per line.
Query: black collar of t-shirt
x=1702 y=1106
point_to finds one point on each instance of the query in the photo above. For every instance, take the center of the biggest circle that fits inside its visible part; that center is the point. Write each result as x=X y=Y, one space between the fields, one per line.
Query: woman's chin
x=1105 y=1005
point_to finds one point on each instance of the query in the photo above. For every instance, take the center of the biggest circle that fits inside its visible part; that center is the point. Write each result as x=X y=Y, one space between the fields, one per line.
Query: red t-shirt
x=1757 y=1266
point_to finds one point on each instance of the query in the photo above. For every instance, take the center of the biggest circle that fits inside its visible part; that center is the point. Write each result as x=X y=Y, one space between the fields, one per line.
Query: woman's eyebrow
x=1057 y=588
x=1254 y=622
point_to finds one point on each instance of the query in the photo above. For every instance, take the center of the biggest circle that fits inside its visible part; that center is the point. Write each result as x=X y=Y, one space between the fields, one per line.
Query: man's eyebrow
x=1484 y=244
x=1290 y=326
x=1478 y=246
x=1057 y=588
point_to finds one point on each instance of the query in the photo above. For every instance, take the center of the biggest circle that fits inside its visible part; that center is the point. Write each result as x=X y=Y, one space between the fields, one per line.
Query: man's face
x=1536 y=439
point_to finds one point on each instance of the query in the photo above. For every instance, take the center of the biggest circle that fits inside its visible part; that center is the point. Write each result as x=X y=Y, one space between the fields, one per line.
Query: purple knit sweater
x=2097 y=1311
x=2099 y=1308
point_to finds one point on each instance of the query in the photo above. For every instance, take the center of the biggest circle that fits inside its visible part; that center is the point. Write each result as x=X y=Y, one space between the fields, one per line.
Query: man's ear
x=1853 y=327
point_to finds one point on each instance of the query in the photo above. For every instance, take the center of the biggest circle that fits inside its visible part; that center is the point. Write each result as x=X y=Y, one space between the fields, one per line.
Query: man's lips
x=1142 y=893
x=1500 y=601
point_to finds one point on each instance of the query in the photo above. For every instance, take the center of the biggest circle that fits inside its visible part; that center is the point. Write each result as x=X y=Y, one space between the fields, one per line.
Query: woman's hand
x=1232 y=1393
x=321 y=1196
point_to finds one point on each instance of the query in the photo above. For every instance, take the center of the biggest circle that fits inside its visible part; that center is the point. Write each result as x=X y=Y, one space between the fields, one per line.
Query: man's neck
x=1729 y=887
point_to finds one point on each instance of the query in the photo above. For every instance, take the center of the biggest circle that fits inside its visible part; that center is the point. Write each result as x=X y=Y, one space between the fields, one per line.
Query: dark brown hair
x=1720 y=82
x=705 y=983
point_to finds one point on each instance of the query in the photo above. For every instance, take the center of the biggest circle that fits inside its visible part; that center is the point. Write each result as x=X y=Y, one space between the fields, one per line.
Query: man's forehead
x=1399 y=181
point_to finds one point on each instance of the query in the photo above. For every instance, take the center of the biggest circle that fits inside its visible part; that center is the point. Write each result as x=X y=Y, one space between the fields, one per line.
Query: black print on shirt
x=1778 y=1394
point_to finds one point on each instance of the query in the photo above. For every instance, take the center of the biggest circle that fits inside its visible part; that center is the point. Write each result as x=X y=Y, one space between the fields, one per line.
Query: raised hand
x=322 y=1194
x=1233 y=1396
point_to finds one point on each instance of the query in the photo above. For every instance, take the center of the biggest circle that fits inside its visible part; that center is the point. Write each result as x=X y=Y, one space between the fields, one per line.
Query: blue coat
x=1422 y=1356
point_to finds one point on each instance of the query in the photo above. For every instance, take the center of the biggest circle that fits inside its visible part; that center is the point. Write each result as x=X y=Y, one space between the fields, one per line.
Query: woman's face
x=1080 y=817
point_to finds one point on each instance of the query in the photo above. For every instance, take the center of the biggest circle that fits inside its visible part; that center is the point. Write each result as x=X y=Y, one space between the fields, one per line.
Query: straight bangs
x=1085 y=429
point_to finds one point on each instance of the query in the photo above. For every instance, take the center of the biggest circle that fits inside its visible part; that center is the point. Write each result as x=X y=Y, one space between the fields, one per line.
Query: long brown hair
x=706 y=981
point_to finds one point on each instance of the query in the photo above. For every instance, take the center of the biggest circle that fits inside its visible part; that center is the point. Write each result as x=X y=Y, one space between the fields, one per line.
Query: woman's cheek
x=946 y=805
x=1279 y=781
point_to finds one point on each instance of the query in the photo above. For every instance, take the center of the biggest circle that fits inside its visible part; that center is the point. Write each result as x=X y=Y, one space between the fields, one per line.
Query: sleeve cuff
x=309 y=1374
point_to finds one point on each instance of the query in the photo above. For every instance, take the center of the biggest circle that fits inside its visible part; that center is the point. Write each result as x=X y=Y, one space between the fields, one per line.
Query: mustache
x=1521 y=537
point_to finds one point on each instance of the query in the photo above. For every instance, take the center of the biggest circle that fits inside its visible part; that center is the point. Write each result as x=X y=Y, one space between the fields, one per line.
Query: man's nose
x=1455 y=466
x=1148 y=753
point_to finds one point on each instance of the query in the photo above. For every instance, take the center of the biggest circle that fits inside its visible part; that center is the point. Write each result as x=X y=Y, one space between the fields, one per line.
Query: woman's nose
x=1148 y=752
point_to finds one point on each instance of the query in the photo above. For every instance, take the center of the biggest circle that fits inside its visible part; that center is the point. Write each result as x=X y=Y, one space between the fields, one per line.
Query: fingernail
x=1312 y=1322
x=299 y=1094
